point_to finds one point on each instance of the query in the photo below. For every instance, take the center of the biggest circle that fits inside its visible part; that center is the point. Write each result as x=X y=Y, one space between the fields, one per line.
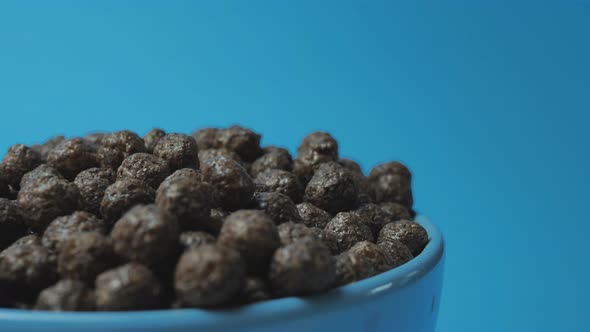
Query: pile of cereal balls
x=114 y=221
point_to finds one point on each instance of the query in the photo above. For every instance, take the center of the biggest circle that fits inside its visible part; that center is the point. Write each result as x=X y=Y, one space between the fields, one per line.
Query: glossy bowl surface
x=403 y=299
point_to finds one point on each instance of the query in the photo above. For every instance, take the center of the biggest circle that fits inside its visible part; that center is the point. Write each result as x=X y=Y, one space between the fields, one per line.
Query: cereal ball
x=94 y=139
x=313 y=216
x=41 y=173
x=117 y=146
x=42 y=201
x=123 y=195
x=373 y=216
x=255 y=290
x=190 y=240
x=146 y=234
x=242 y=141
x=208 y=275
x=328 y=238
x=179 y=150
x=379 y=260
x=63 y=228
x=71 y=157
x=273 y=158
x=395 y=211
x=92 y=184
x=85 y=255
x=392 y=182
x=315 y=149
x=302 y=267
x=212 y=153
x=44 y=149
x=351 y=165
x=12 y=226
x=206 y=138
x=19 y=160
x=351 y=267
x=253 y=234
x=231 y=182
x=280 y=181
x=28 y=240
x=290 y=232
x=24 y=271
x=187 y=199
x=66 y=295
x=144 y=167
x=411 y=234
x=348 y=230
x=365 y=192
x=185 y=173
x=332 y=188
x=396 y=250
x=151 y=139
x=280 y=208
x=128 y=287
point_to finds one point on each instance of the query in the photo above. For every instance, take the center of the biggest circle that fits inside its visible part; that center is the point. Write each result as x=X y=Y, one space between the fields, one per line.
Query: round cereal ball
x=348 y=230
x=66 y=295
x=179 y=150
x=94 y=139
x=378 y=258
x=332 y=188
x=411 y=234
x=273 y=158
x=144 y=167
x=146 y=234
x=253 y=234
x=373 y=216
x=129 y=287
x=255 y=290
x=44 y=149
x=397 y=251
x=365 y=191
x=315 y=149
x=72 y=156
x=19 y=160
x=65 y=227
x=242 y=141
x=12 y=226
x=41 y=173
x=206 y=138
x=151 y=138
x=392 y=182
x=303 y=267
x=280 y=208
x=204 y=155
x=351 y=267
x=44 y=200
x=190 y=240
x=395 y=211
x=187 y=199
x=192 y=173
x=328 y=238
x=208 y=275
x=231 y=182
x=290 y=232
x=117 y=146
x=312 y=216
x=92 y=184
x=122 y=196
x=280 y=181
x=27 y=240
x=351 y=165
x=85 y=255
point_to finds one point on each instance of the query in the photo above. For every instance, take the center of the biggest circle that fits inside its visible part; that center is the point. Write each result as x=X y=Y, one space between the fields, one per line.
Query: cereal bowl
x=403 y=299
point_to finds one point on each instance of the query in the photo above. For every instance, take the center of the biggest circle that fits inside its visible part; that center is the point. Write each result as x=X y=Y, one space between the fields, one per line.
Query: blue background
x=488 y=103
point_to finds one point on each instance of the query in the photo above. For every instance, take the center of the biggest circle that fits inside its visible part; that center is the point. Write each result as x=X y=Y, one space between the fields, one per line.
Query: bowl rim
x=253 y=314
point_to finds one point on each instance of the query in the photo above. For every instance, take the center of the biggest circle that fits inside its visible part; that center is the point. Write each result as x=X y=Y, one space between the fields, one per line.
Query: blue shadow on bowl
x=403 y=299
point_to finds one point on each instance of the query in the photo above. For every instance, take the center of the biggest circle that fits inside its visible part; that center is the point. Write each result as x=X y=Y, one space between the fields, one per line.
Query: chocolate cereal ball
x=151 y=138
x=179 y=150
x=253 y=234
x=44 y=149
x=302 y=267
x=41 y=173
x=123 y=195
x=392 y=182
x=280 y=181
x=144 y=167
x=351 y=267
x=348 y=230
x=28 y=240
x=397 y=251
x=63 y=228
x=209 y=275
x=43 y=200
x=332 y=188
x=12 y=226
x=72 y=156
x=313 y=216
x=66 y=295
x=188 y=199
x=411 y=234
x=85 y=255
x=19 y=160
x=190 y=240
x=206 y=138
x=94 y=139
x=365 y=191
x=290 y=232
x=373 y=216
x=231 y=182
x=328 y=238
x=146 y=234
x=315 y=149
x=280 y=208
x=128 y=287
x=273 y=158
x=185 y=173
x=242 y=141
x=374 y=254
x=395 y=211
x=117 y=146
x=92 y=184
x=211 y=153
x=255 y=290
x=351 y=165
